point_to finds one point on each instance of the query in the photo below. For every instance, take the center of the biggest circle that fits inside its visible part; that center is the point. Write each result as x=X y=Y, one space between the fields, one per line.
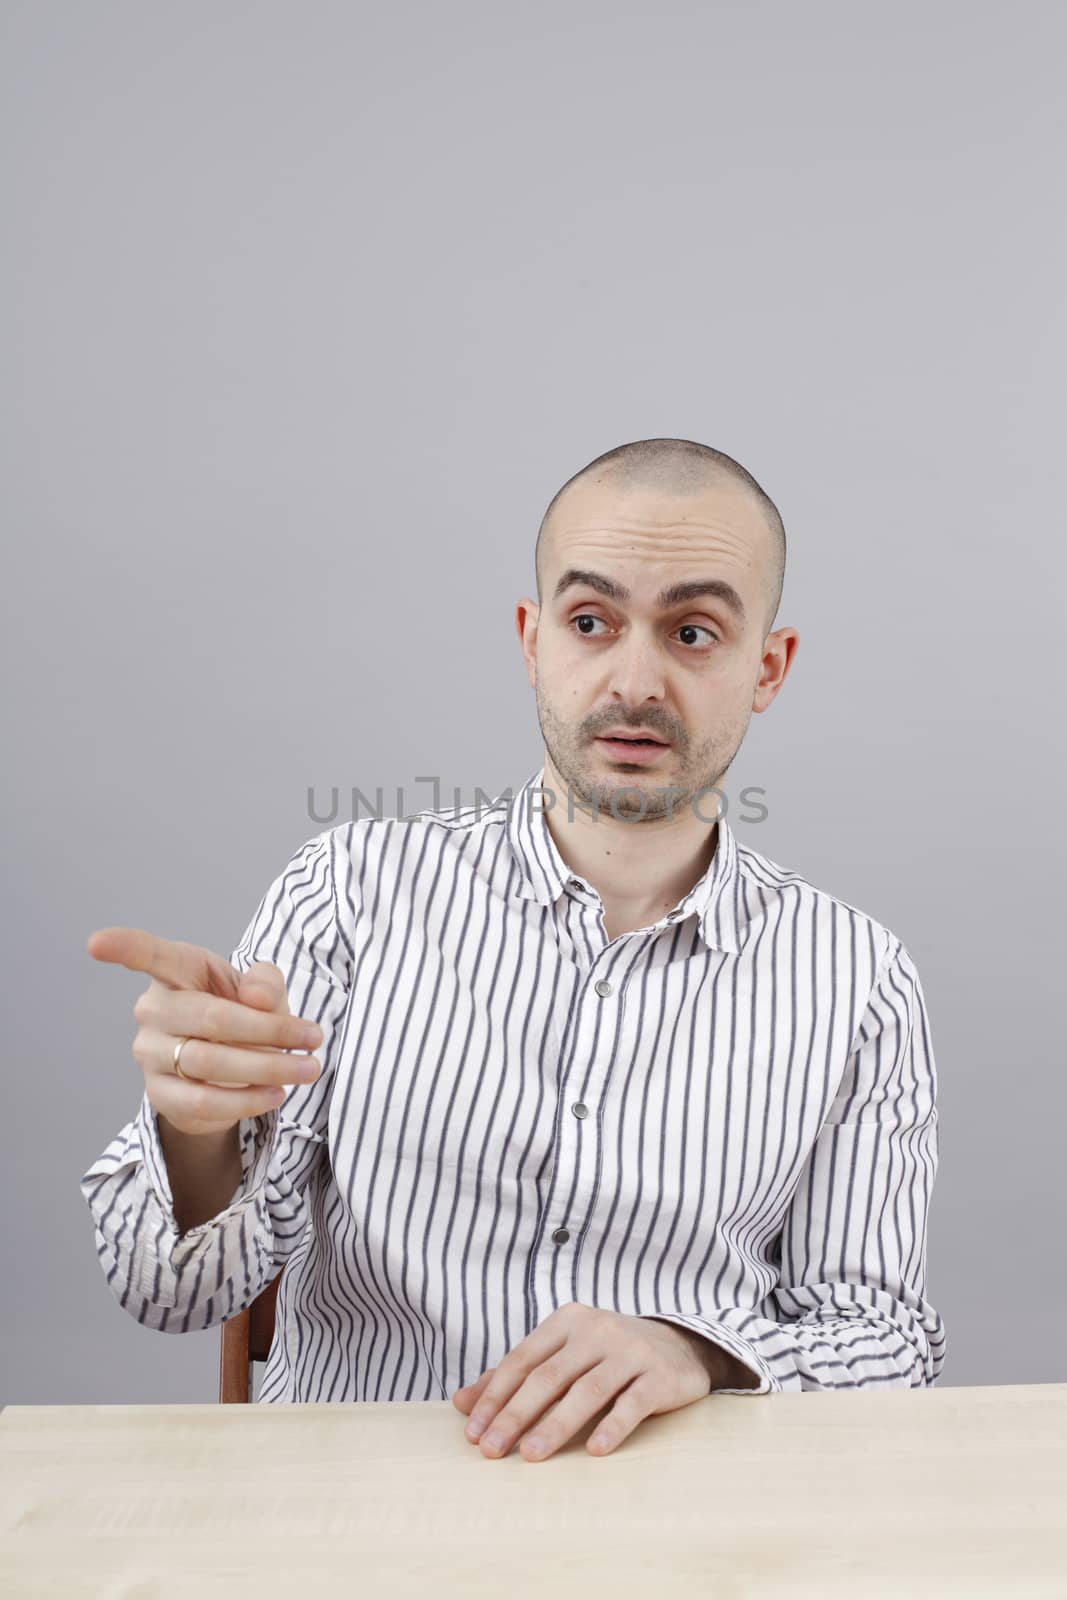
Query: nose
x=637 y=672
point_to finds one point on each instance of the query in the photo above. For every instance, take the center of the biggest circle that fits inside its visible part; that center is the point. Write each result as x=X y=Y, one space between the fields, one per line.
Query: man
x=612 y=1110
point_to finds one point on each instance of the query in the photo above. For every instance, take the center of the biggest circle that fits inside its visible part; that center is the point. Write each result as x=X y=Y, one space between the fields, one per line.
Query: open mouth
x=636 y=738
x=637 y=749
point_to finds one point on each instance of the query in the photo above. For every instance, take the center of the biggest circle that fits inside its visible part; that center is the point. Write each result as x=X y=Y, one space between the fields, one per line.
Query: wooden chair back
x=246 y=1338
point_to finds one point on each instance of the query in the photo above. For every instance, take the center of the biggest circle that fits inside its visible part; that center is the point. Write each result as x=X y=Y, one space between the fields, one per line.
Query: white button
x=602 y=987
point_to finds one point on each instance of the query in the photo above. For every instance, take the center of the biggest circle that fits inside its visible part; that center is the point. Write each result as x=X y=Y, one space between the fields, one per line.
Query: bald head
x=678 y=467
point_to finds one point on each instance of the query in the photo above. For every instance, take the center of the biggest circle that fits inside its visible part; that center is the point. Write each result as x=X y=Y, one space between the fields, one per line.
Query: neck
x=644 y=867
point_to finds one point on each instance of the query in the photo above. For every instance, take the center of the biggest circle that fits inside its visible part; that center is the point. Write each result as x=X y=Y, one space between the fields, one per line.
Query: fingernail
x=494 y=1440
x=474 y=1427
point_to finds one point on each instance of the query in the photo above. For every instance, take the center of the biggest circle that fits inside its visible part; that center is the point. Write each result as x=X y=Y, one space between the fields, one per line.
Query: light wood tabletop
x=903 y=1493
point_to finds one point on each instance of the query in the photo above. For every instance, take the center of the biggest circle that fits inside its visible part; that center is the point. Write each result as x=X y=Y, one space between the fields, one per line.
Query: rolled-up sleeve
x=850 y=1310
x=178 y=1283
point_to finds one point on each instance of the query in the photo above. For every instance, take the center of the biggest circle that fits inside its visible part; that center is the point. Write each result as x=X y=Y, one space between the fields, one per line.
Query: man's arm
x=182 y=1246
x=204 y=1171
x=851 y=1307
x=724 y=1370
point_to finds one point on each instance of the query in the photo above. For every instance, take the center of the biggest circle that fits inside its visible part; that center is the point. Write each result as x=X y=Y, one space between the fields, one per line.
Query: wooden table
x=897 y=1492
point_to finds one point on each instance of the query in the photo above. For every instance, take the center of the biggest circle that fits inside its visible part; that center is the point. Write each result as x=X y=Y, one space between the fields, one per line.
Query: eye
x=696 y=627
x=587 y=633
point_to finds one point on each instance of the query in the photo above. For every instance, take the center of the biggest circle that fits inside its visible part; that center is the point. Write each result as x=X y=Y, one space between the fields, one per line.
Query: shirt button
x=561 y=1236
x=602 y=987
x=580 y=1110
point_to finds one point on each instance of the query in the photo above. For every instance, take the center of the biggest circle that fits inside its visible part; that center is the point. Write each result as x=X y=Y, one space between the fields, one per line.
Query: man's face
x=688 y=670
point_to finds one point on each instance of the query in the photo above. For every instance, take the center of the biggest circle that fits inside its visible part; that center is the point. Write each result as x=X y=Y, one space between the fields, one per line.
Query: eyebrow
x=675 y=593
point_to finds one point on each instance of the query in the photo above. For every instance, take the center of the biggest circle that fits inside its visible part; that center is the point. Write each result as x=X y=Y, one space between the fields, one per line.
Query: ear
x=527 y=617
x=778 y=651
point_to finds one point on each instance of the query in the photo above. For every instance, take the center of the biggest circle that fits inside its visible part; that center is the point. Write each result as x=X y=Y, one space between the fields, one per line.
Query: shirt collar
x=543 y=873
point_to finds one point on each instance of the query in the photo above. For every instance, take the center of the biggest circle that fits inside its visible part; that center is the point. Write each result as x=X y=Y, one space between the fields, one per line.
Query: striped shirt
x=725 y=1120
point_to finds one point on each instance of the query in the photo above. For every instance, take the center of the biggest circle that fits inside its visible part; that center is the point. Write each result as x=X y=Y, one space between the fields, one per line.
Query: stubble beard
x=638 y=797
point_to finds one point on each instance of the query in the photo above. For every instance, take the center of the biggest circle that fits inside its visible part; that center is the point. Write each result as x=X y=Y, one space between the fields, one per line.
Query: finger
x=179 y=965
x=583 y=1402
x=182 y=1102
x=263 y=985
x=466 y=1396
x=541 y=1389
x=636 y=1402
x=508 y=1377
x=185 y=1014
x=585 y=1399
x=230 y=1066
x=544 y=1341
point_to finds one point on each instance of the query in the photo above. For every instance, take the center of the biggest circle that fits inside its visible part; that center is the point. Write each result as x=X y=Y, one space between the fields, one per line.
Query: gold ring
x=178 y=1063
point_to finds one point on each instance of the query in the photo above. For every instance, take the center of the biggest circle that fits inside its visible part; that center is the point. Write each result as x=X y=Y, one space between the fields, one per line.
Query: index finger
x=171 y=961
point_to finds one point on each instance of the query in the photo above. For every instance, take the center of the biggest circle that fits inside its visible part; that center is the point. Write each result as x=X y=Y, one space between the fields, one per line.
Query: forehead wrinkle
x=649 y=546
x=673 y=535
x=640 y=524
x=571 y=547
x=652 y=531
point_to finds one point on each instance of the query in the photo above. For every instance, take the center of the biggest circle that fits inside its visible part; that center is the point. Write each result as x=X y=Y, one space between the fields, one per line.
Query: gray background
x=308 y=311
